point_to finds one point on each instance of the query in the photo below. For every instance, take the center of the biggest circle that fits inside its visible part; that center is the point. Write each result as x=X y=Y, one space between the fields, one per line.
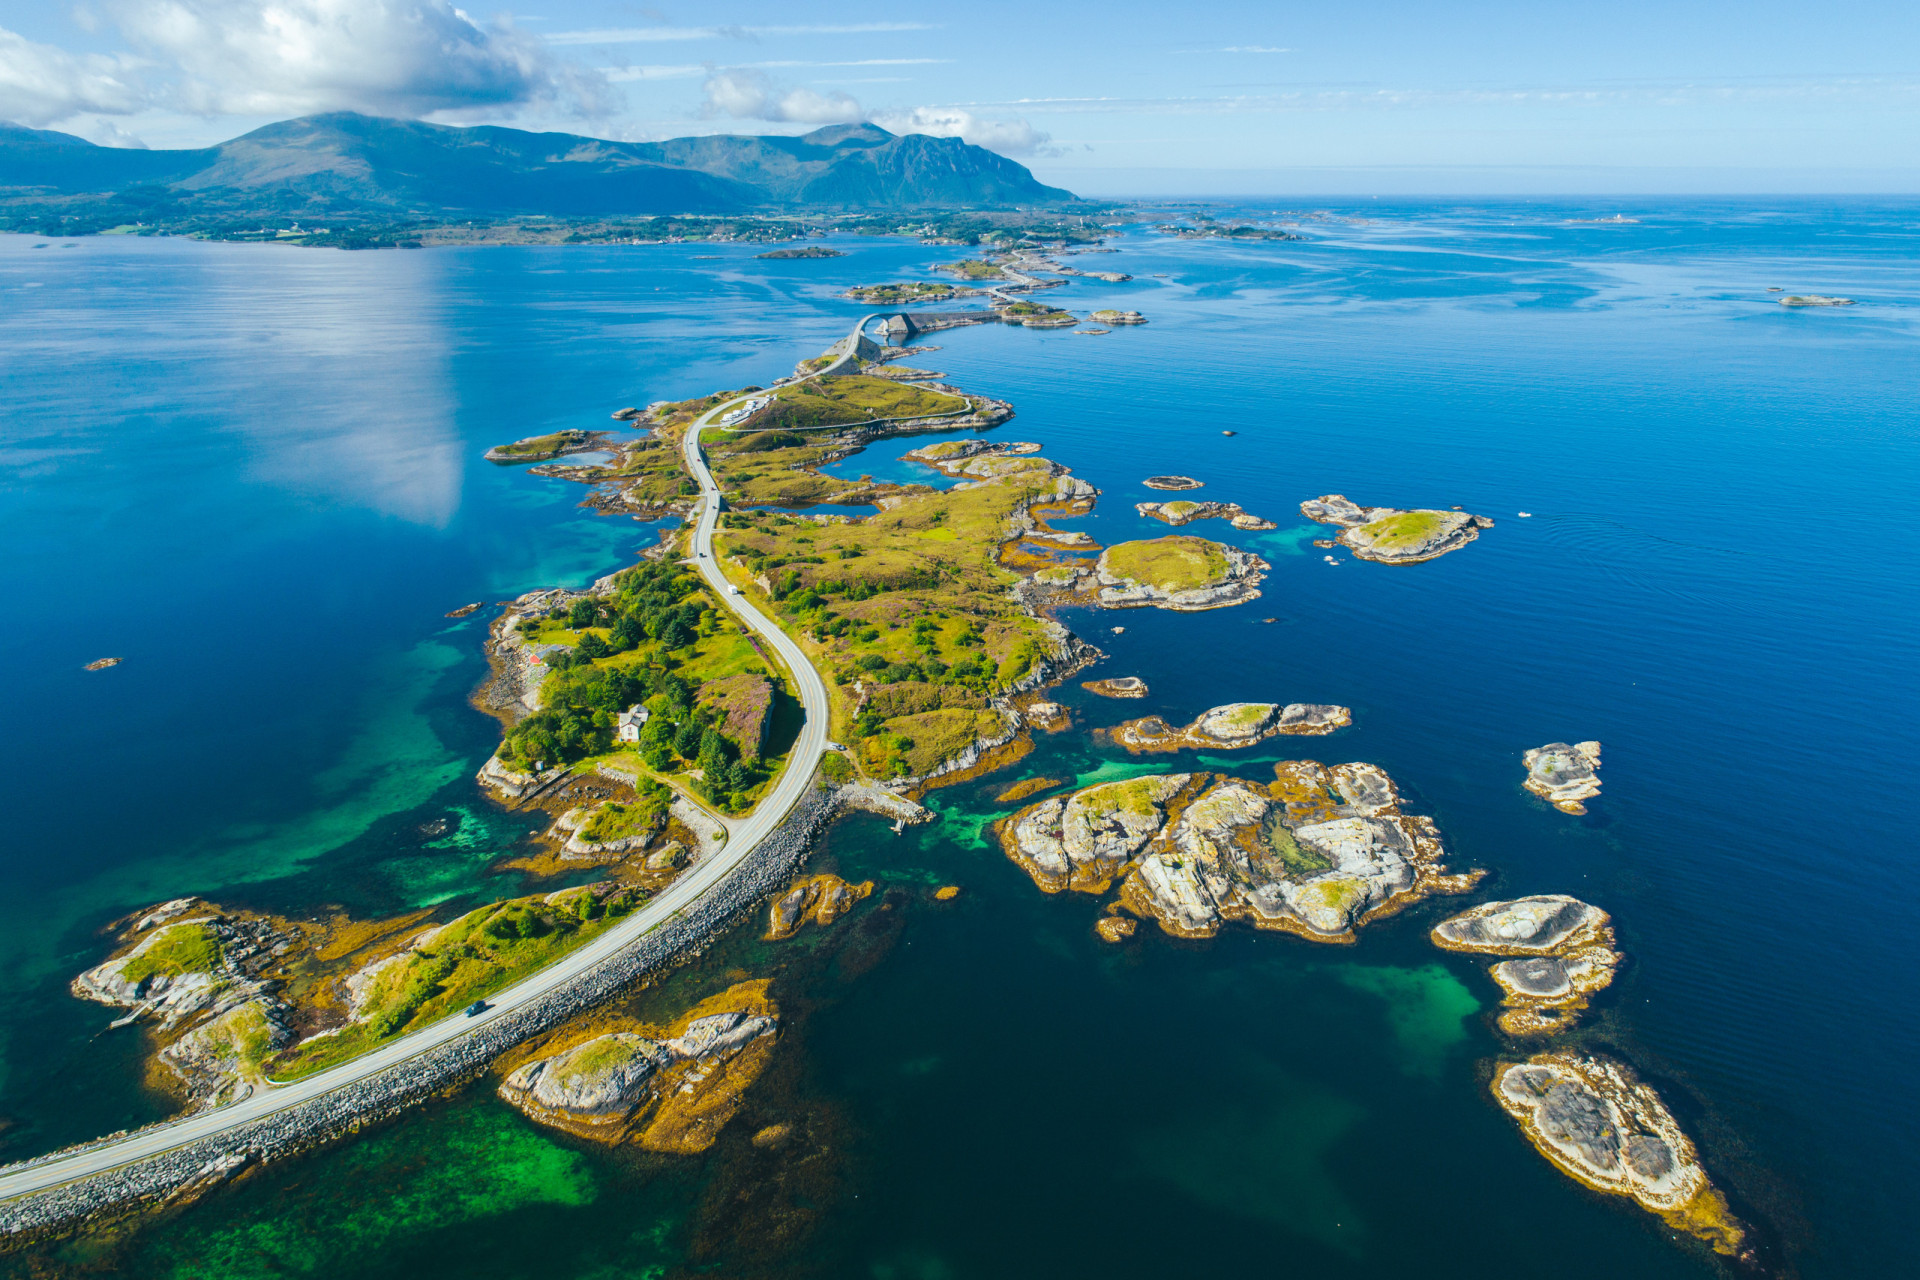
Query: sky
x=1122 y=98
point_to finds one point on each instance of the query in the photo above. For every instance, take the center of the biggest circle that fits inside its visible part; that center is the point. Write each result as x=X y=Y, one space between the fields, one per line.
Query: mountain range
x=344 y=162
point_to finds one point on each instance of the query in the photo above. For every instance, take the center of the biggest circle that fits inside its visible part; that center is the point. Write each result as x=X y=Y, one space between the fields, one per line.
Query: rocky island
x=1238 y=724
x=1318 y=852
x=1389 y=535
x=1564 y=775
x=1184 y=511
x=669 y=1089
x=981 y=459
x=1175 y=483
x=810 y=251
x=1180 y=572
x=1562 y=952
x=1117 y=687
x=906 y=292
x=1603 y=1128
x=543 y=448
x=1118 y=317
x=819 y=899
x=1814 y=300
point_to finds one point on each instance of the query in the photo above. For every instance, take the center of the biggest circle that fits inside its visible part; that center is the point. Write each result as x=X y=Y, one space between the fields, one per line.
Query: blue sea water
x=255 y=474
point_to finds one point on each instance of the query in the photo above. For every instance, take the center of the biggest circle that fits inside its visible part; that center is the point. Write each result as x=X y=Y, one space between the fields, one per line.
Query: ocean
x=254 y=473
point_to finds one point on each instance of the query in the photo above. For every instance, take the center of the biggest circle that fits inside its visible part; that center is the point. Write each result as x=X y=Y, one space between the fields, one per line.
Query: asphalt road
x=773 y=808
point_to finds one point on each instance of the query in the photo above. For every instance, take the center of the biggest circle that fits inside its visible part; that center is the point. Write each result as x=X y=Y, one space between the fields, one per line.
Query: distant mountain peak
x=343 y=162
x=842 y=135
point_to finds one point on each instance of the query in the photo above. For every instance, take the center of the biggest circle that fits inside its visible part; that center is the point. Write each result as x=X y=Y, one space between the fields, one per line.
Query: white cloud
x=40 y=84
x=687 y=70
x=390 y=57
x=651 y=35
x=746 y=93
x=1009 y=137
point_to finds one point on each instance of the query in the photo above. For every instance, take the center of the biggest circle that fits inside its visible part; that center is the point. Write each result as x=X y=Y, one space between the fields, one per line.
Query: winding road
x=61 y=1168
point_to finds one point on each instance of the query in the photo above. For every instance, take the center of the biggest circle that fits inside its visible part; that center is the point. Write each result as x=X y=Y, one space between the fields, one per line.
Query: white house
x=628 y=724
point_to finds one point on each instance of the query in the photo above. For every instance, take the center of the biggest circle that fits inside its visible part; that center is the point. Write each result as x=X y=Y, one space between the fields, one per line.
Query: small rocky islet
x=1117 y=687
x=819 y=899
x=1560 y=953
x=1225 y=728
x=1564 y=775
x=1599 y=1125
x=1182 y=511
x=1389 y=535
x=668 y=1089
x=1180 y=572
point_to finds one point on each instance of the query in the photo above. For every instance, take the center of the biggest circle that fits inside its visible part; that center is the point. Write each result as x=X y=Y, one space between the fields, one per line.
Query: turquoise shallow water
x=255 y=474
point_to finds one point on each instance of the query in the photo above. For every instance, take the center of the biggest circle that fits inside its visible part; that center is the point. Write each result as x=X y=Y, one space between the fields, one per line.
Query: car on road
x=477 y=1008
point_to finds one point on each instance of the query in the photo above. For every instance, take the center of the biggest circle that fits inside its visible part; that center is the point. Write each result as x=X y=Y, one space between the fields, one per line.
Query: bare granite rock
x=1117 y=687
x=1603 y=1128
x=1172 y=482
x=1389 y=535
x=1564 y=775
x=1083 y=840
x=668 y=1089
x=1192 y=850
x=599 y=1082
x=1540 y=925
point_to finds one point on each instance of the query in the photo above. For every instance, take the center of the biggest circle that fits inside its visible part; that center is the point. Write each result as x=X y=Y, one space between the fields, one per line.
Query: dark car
x=477 y=1008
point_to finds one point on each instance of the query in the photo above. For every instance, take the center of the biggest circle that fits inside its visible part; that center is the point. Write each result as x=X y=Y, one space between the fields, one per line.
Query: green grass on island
x=644 y=815
x=1299 y=861
x=1134 y=796
x=174 y=950
x=536 y=448
x=473 y=957
x=1249 y=716
x=852 y=398
x=1180 y=562
x=893 y=295
x=1405 y=529
x=658 y=641
x=973 y=269
x=906 y=613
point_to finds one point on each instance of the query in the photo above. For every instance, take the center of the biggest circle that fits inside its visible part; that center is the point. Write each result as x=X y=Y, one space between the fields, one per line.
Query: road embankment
x=763 y=871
